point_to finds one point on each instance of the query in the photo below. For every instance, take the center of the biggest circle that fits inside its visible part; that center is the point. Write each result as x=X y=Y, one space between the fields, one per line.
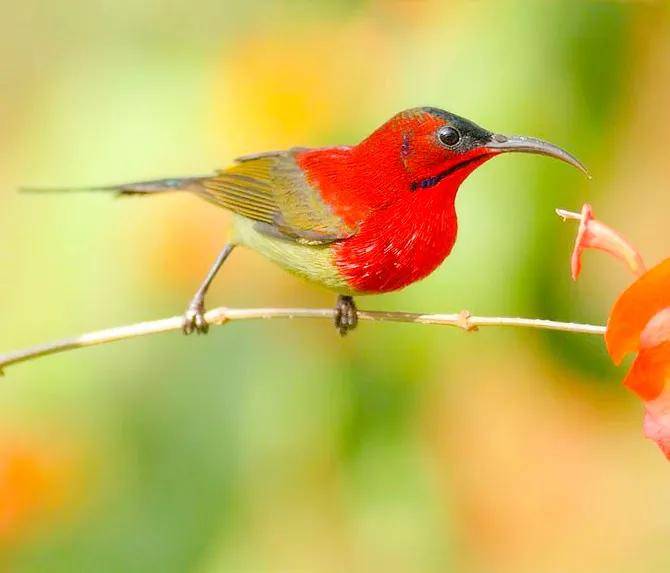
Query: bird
x=364 y=219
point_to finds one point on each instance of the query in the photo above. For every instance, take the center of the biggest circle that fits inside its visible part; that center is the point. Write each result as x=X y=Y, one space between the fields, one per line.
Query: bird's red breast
x=404 y=231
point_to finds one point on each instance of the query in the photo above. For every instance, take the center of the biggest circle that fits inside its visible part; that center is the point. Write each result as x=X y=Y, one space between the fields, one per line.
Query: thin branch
x=565 y=214
x=222 y=315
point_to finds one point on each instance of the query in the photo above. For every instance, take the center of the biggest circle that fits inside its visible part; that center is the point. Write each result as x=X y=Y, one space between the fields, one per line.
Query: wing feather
x=270 y=188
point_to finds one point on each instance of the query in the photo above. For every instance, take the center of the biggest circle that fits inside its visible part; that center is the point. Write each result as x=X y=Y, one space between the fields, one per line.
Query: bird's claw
x=346 y=315
x=194 y=319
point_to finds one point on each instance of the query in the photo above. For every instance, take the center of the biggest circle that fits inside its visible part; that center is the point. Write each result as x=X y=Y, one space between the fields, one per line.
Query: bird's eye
x=448 y=136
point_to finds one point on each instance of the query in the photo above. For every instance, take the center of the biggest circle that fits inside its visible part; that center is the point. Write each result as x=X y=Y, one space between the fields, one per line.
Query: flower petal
x=634 y=309
x=649 y=372
x=657 y=422
x=593 y=234
x=576 y=259
x=649 y=375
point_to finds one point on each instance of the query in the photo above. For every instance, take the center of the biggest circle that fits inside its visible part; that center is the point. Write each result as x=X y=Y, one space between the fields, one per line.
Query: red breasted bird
x=363 y=219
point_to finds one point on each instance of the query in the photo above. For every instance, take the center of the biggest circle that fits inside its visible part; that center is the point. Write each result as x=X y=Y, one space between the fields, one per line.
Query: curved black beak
x=522 y=144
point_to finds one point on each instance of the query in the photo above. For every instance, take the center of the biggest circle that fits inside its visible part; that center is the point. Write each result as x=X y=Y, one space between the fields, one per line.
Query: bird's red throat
x=404 y=231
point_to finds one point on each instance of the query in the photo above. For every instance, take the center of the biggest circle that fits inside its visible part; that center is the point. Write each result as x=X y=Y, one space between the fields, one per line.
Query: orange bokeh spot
x=34 y=480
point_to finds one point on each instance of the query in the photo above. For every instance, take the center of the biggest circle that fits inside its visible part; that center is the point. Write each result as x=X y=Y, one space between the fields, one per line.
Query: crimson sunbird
x=363 y=219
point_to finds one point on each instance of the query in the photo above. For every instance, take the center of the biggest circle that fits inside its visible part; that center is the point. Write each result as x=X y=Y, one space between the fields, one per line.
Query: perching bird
x=366 y=219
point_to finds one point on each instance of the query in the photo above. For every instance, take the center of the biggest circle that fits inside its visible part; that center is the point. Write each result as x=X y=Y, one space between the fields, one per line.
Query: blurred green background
x=276 y=446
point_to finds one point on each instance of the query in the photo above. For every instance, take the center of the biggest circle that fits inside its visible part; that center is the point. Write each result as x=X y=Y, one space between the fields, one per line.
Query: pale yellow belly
x=311 y=262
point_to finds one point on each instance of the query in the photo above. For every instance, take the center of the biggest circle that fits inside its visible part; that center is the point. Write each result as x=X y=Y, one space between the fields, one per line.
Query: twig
x=219 y=316
x=565 y=214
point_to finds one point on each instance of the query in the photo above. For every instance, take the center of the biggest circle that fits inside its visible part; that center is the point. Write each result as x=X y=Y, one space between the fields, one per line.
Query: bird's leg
x=346 y=314
x=194 y=317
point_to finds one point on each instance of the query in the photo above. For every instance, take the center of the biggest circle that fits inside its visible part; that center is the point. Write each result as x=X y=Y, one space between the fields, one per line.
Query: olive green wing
x=271 y=189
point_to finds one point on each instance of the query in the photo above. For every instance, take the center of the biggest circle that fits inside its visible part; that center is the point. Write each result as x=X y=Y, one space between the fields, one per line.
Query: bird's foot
x=346 y=314
x=194 y=317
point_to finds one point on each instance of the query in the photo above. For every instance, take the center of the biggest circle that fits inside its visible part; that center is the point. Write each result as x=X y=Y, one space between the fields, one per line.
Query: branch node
x=465 y=323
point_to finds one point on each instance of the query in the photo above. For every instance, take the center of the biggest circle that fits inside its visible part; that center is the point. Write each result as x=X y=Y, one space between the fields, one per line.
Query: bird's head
x=432 y=147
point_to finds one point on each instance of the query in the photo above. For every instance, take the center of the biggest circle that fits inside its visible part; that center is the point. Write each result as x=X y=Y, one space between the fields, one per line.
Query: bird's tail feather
x=193 y=184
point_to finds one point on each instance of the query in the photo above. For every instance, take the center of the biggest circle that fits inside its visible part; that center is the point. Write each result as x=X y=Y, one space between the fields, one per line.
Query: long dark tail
x=192 y=184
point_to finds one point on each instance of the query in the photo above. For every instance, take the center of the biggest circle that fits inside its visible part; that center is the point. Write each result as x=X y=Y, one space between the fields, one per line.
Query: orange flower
x=593 y=234
x=640 y=321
